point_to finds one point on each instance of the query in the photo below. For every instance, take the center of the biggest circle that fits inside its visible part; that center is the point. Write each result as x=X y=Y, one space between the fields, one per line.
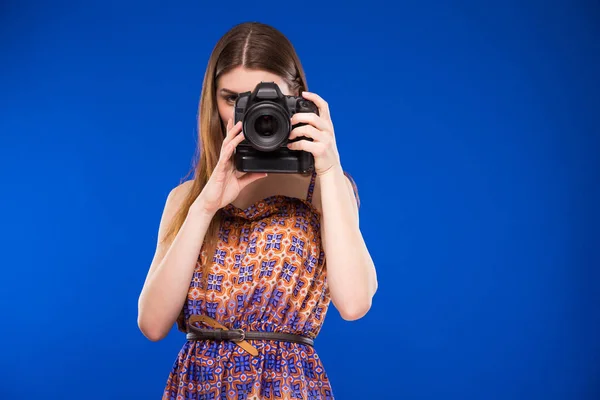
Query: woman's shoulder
x=183 y=188
x=352 y=185
x=178 y=193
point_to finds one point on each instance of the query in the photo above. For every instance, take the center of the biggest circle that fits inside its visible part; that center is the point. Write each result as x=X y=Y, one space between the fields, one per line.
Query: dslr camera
x=265 y=114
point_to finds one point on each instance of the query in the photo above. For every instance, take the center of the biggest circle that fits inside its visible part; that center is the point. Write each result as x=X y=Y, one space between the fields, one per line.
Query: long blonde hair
x=252 y=45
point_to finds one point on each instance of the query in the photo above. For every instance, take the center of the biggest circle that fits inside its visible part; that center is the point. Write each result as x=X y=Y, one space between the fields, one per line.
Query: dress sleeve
x=354 y=188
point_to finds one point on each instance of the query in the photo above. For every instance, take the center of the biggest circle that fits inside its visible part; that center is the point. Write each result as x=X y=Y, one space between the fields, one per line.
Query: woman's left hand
x=320 y=129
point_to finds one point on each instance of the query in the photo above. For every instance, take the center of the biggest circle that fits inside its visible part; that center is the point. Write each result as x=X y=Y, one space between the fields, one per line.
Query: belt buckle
x=241 y=333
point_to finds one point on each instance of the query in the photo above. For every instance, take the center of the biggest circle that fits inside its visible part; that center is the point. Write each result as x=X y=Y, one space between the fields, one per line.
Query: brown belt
x=238 y=336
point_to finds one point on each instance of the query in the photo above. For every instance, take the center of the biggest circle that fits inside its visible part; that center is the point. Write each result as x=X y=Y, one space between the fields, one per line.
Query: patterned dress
x=268 y=274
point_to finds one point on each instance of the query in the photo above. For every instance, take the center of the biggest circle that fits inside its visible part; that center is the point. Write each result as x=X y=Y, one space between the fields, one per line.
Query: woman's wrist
x=199 y=211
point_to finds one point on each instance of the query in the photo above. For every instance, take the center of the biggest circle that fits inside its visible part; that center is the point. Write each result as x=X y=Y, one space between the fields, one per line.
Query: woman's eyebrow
x=228 y=91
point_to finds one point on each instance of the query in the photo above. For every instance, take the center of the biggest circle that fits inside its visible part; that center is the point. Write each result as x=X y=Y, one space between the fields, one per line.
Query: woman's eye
x=231 y=99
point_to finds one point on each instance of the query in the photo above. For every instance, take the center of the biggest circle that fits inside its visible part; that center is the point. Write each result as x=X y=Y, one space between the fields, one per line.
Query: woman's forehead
x=241 y=80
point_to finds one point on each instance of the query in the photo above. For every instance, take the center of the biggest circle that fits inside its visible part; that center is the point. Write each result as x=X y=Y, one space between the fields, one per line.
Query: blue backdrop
x=471 y=129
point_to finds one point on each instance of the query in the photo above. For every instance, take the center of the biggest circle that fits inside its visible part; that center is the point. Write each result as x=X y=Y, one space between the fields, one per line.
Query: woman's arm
x=350 y=271
x=172 y=268
x=351 y=274
x=168 y=279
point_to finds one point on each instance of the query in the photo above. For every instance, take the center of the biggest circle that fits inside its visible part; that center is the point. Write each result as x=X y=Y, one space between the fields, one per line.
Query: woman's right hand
x=225 y=183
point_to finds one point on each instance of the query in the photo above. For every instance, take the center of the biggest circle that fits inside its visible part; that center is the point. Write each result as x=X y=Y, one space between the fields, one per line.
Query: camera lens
x=266 y=125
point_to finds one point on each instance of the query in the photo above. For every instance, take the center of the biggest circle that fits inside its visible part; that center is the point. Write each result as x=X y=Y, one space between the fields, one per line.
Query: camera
x=265 y=114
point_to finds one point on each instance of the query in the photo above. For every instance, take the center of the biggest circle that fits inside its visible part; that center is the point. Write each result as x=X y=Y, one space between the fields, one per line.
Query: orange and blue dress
x=268 y=274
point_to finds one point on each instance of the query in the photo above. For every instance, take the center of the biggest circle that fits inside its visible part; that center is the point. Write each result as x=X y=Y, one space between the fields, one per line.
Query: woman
x=240 y=261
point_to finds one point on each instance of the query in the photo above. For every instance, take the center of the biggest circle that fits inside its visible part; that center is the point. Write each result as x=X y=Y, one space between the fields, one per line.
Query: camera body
x=265 y=114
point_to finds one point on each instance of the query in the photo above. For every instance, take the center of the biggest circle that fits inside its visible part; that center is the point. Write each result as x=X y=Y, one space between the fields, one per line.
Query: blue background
x=471 y=129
